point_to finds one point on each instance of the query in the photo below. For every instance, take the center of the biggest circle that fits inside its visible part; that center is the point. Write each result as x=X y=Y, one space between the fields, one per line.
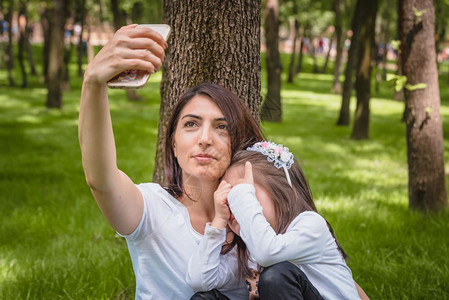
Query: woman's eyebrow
x=200 y=118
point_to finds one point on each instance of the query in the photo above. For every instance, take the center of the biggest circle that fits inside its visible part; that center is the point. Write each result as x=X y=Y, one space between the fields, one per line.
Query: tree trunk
x=45 y=23
x=343 y=119
x=399 y=95
x=9 y=58
x=328 y=55
x=291 y=69
x=425 y=148
x=301 y=51
x=272 y=108
x=21 y=44
x=386 y=39
x=80 y=18
x=55 y=62
x=214 y=41
x=336 y=86
x=364 y=69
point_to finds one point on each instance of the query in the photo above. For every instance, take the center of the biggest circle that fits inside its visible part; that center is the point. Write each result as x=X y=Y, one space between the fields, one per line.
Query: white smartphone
x=134 y=79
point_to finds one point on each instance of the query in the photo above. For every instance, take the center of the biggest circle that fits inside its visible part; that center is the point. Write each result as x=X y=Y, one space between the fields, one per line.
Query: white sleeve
x=303 y=242
x=207 y=268
x=156 y=211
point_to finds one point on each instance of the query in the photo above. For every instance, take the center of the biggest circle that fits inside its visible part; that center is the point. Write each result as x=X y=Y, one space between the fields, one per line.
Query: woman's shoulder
x=151 y=190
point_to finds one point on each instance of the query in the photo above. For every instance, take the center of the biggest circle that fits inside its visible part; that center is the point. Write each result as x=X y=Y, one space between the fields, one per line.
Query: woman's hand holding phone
x=132 y=47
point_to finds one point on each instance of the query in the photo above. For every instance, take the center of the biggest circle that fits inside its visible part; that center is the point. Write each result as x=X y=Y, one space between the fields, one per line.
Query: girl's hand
x=131 y=47
x=222 y=212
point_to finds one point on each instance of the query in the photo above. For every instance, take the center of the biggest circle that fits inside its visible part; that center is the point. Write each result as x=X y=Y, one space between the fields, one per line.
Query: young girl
x=275 y=221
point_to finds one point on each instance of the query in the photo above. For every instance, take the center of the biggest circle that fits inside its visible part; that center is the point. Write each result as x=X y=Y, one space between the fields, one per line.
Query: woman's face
x=201 y=143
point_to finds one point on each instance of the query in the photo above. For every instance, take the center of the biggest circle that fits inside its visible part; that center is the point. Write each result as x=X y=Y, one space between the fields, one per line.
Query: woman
x=162 y=226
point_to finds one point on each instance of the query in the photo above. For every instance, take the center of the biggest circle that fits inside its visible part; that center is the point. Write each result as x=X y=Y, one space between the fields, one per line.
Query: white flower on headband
x=276 y=153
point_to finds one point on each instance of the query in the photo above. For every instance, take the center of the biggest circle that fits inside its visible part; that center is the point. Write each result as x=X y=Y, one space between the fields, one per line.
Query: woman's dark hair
x=288 y=201
x=242 y=128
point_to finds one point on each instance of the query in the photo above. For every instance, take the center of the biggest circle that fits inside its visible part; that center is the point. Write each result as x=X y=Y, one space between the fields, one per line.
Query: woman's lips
x=204 y=158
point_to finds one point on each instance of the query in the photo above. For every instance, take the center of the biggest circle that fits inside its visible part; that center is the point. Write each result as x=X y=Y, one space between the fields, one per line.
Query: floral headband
x=276 y=153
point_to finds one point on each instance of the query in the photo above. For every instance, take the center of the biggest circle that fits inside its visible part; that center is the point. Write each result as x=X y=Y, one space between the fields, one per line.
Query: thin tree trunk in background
x=425 y=146
x=291 y=69
x=2 y=18
x=336 y=86
x=360 y=130
x=399 y=95
x=326 y=62
x=55 y=63
x=45 y=16
x=343 y=119
x=81 y=18
x=386 y=39
x=213 y=41
x=272 y=107
x=9 y=58
x=21 y=43
x=301 y=51
x=312 y=52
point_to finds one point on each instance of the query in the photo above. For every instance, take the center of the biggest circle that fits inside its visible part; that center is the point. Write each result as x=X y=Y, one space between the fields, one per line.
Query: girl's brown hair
x=288 y=201
x=243 y=129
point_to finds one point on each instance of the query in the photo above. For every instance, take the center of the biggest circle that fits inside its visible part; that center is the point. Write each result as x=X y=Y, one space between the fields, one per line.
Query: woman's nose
x=205 y=137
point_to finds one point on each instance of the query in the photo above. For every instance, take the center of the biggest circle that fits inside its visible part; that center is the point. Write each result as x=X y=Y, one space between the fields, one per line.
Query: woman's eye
x=189 y=124
x=222 y=126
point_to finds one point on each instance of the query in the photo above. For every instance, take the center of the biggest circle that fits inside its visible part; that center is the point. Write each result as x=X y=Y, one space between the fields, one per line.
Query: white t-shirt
x=161 y=245
x=307 y=243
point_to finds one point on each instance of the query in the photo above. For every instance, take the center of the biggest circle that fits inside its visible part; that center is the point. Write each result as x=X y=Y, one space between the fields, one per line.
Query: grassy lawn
x=54 y=242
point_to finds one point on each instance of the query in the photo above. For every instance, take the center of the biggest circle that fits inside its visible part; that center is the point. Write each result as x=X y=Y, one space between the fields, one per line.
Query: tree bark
x=336 y=86
x=80 y=18
x=56 y=55
x=364 y=69
x=343 y=119
x=272 y=108
x=425 y=148
x=214 y=41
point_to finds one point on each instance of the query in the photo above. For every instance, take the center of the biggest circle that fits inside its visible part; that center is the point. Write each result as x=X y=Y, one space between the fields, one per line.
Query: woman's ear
x=175 y=152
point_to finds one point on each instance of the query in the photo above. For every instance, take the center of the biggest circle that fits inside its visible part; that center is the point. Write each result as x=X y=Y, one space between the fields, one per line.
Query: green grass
x=54 y=242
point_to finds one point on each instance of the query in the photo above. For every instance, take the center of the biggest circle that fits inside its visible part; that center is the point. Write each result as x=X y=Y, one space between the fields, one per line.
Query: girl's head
x=208 y=125
x=281 y=202
x=282 y=193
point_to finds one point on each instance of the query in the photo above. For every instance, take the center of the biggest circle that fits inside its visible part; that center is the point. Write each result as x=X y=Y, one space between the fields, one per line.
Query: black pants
x=210 y=295
x=280 y=281
x=286 y=281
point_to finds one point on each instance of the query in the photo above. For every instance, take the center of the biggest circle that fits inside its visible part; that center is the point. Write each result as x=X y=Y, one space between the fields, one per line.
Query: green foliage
x=401 y=82
x=54 y=242
x=418 y=14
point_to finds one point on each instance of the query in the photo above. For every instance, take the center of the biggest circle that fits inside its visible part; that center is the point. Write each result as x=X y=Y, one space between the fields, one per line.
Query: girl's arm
x=116 y=195
x=207 y=268
x=304 y=242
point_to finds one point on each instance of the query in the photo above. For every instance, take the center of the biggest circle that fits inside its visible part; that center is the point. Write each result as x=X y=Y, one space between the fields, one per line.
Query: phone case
x=134 y=79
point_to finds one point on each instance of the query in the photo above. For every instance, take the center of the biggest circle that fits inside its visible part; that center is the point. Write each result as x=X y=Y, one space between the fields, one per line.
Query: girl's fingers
x=248 y=177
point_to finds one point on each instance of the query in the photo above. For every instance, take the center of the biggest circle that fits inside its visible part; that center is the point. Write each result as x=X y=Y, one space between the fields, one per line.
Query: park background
x=54 y=242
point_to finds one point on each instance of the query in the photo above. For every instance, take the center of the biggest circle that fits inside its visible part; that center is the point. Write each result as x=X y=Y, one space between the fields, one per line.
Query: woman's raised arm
x=116 y=195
